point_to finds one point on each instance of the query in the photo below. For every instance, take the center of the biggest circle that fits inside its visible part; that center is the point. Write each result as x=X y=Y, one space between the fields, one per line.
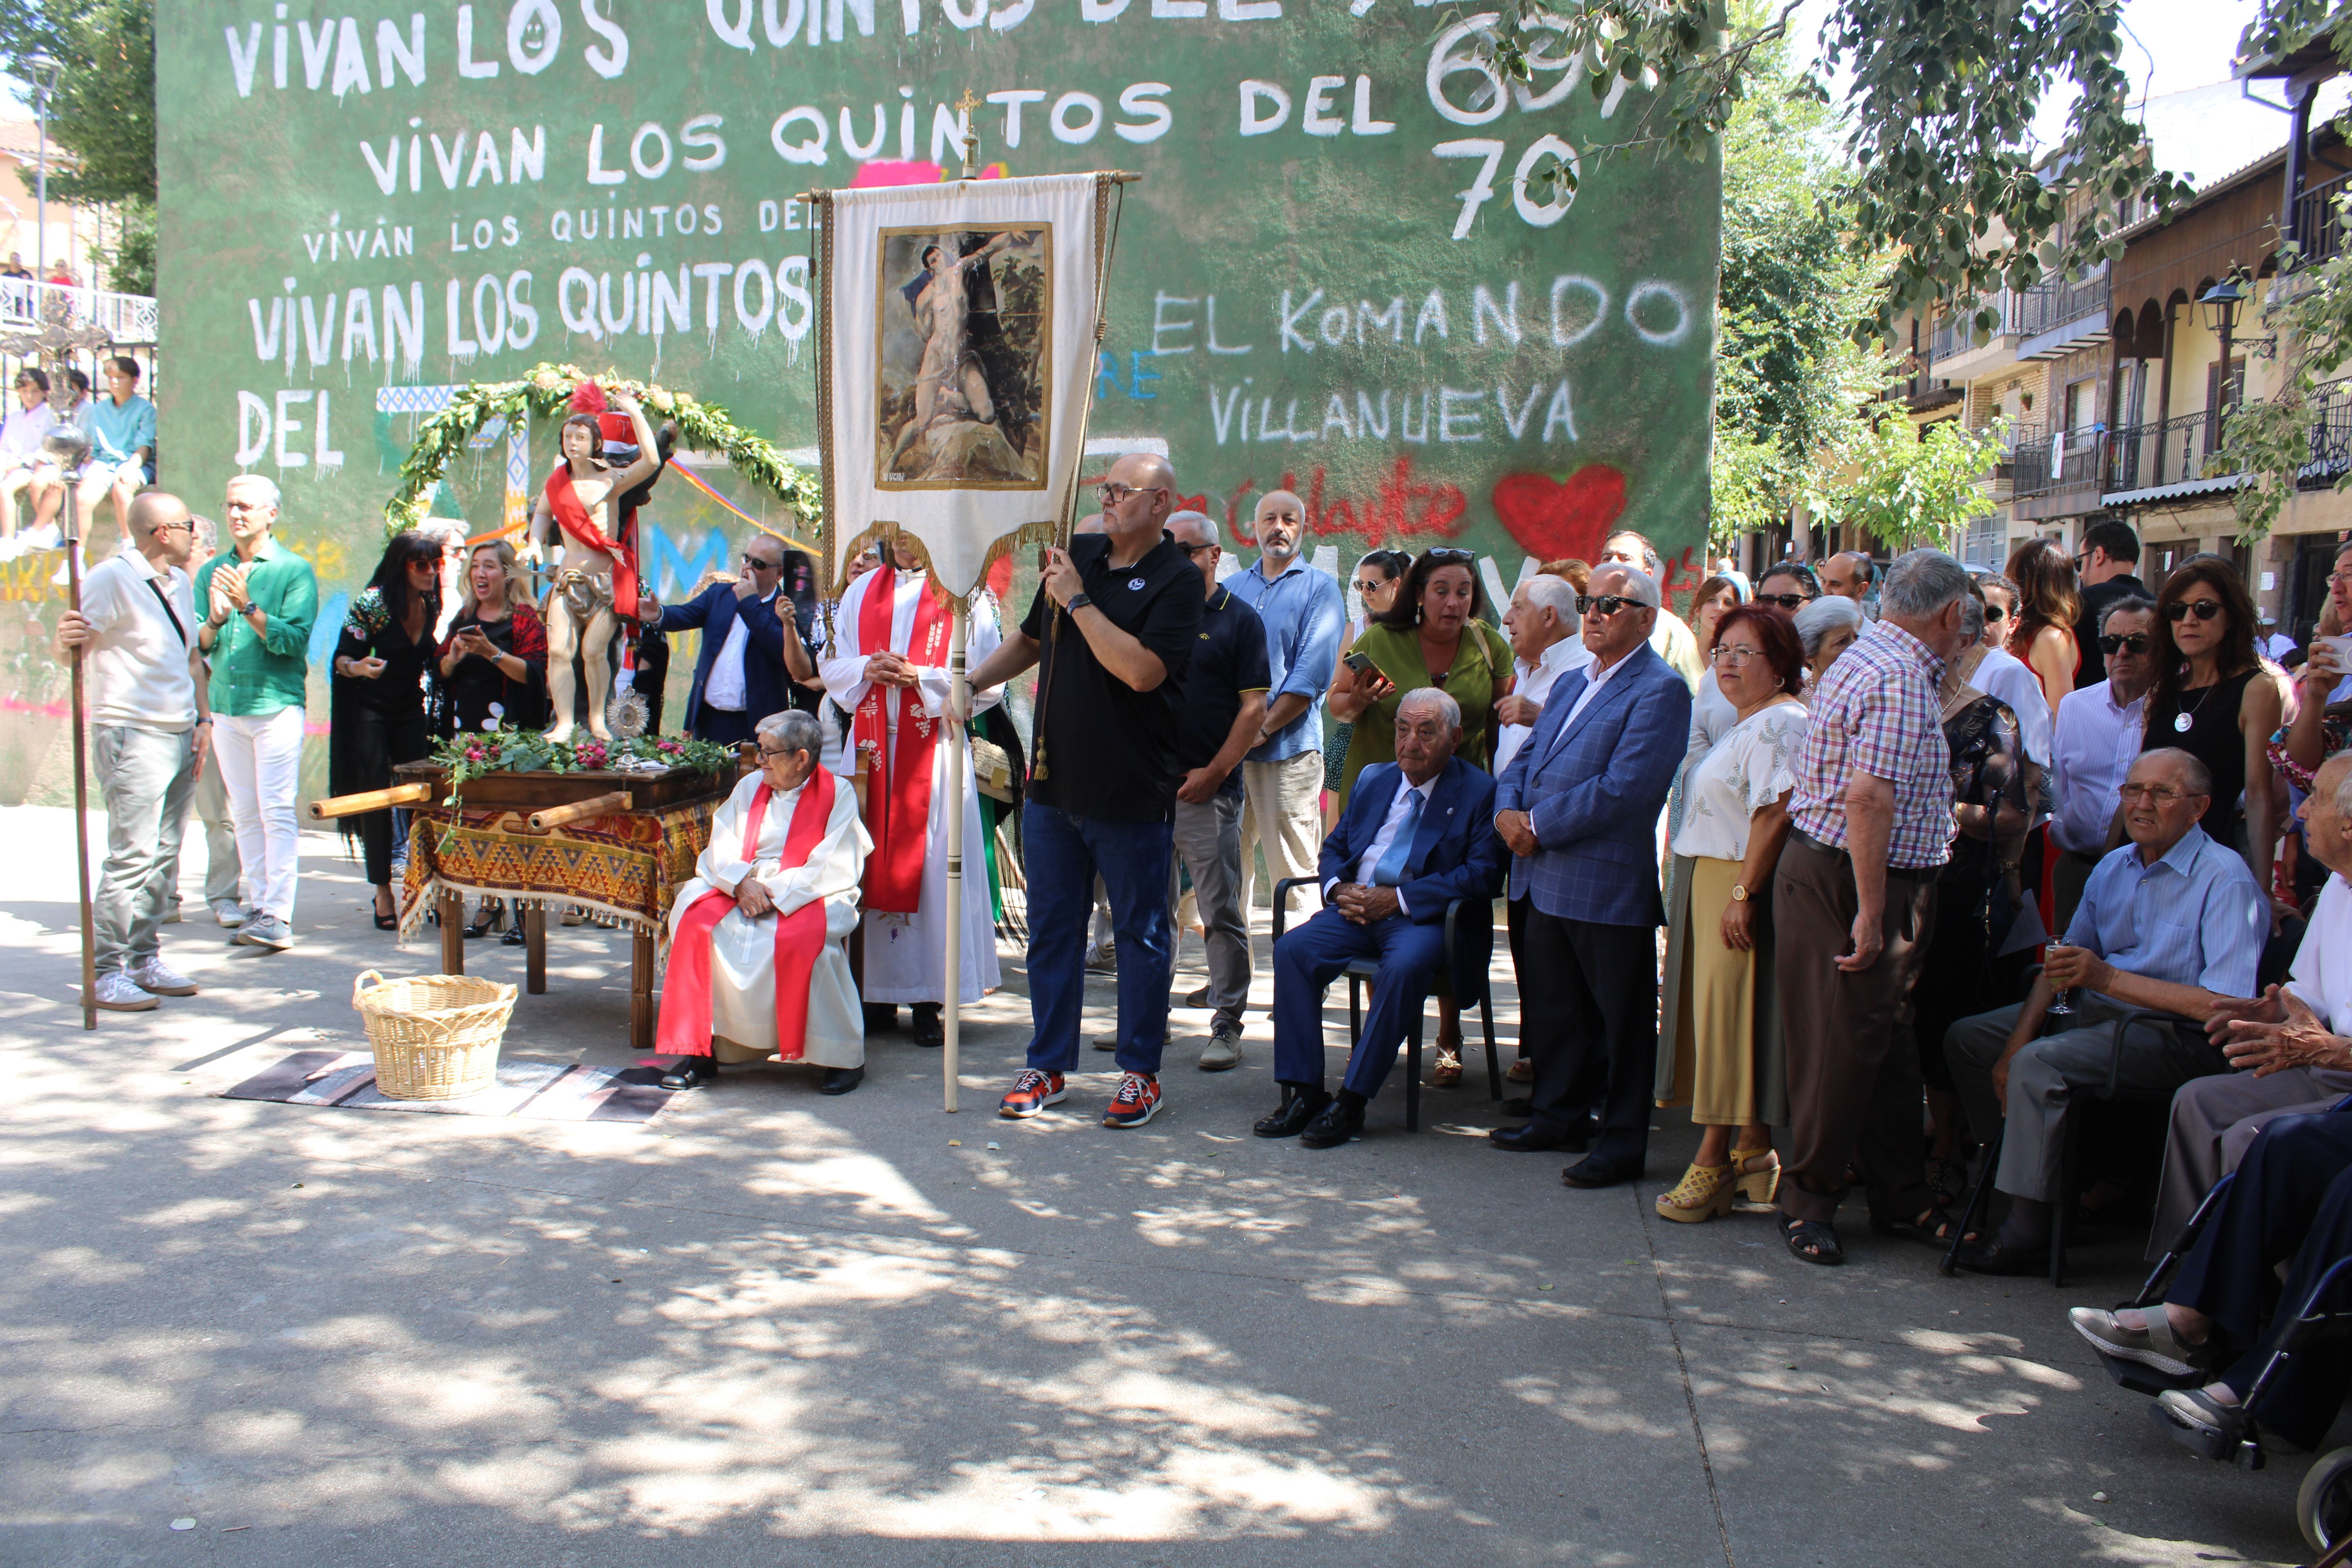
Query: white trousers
x=260 y=759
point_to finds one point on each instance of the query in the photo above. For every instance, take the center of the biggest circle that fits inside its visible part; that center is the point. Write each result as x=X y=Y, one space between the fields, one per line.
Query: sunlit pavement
x=770 y=1324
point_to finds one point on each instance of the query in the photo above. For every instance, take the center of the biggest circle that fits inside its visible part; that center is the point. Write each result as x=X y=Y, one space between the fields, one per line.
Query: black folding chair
x=1360 y=970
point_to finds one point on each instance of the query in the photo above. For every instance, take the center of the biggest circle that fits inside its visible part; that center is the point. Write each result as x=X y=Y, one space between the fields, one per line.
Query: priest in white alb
x=888 y=669
x=758 y=969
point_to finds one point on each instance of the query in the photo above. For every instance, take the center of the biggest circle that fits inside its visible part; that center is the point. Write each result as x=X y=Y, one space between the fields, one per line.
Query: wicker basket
x=435 y=1036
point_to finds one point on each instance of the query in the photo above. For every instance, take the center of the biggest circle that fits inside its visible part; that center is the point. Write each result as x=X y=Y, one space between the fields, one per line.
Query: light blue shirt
x=2194 y=917
x=1302 y=614
x=116 y=431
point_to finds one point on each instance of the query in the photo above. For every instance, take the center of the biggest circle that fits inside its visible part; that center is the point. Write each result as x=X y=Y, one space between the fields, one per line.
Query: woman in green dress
x=1433 y=634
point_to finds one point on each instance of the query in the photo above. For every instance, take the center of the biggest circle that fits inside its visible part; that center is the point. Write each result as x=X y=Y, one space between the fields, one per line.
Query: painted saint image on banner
x=963 y=354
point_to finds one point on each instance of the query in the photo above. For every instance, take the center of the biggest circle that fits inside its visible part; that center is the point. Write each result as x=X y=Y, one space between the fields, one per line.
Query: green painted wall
x=1304 y=294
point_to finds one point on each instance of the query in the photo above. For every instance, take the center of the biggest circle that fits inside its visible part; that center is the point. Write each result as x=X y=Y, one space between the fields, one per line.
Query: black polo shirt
x=1109 y=750
x=1228 y=663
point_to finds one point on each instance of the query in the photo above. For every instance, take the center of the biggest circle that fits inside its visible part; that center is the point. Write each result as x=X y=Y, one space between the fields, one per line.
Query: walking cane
x=69 y=448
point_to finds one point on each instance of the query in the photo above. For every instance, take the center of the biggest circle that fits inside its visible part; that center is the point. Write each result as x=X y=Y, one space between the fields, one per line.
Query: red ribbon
x=574 y=520
x=685 y=1009
x=902 y=783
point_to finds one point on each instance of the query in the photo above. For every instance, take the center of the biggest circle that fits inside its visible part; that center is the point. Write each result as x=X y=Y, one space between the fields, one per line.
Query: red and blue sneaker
x=1033 y=1091
x=1136 y=1102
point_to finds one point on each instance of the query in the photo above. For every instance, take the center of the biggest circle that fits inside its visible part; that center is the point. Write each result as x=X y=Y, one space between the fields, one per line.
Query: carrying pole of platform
x=951 y=917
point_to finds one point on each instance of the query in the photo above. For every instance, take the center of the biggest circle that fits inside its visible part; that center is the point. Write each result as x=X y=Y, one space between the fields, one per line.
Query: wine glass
x=2060 y=1007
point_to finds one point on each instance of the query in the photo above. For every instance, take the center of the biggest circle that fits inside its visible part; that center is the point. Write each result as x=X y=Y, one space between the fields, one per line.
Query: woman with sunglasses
x=2048 y=602
x=2213 y=699
x=1378 y=577
x=377 y=694
x=1789 y=586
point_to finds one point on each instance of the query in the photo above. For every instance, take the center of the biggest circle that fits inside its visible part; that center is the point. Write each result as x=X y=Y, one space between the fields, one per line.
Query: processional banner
x=954 y=359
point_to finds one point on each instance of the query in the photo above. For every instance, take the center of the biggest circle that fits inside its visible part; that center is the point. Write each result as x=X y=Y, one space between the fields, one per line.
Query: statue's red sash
x=684 y=1028
x=577 y=525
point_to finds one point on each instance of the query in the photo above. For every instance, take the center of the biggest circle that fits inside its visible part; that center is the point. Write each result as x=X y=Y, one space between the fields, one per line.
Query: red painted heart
x=1553 y=519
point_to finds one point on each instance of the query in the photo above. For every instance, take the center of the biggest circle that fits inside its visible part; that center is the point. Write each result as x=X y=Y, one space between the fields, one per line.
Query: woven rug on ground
x=630 y=864
x=537 y=1091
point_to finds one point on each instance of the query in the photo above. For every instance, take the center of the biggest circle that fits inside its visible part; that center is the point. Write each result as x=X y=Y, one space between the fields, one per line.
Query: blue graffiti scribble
x=668 y=565
x=328 y=626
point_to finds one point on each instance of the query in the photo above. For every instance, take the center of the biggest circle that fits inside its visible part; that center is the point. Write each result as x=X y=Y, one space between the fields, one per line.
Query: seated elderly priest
x=1415 y=837
x=757 y=968
x=2171 y=922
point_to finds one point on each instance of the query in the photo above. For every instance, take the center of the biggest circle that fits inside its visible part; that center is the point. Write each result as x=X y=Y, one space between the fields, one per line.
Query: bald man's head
x=161 y=528
x=1138 y=495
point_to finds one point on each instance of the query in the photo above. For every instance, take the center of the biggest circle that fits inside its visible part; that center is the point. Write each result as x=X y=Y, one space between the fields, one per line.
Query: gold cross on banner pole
x=965 y=106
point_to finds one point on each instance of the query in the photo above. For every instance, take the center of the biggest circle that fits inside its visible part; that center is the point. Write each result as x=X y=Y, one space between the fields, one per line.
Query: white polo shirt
x=137 y=660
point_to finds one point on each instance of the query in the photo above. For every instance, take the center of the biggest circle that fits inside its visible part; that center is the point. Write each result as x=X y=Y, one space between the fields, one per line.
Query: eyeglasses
x=2157 y=794
x=769 y=754
x=1607 y=605
x=2180 y=610
x=2136 y=642
x=1735 y=657
x=755 y=563
x=2339 y=579
x=188 y=527
x=1119 y=495
x=1791 y=602
x=1361 y=587
x=1192 y=550
x=1994 y=613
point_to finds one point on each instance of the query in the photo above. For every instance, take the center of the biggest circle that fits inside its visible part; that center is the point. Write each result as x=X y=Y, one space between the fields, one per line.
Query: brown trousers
x=1855 y=1089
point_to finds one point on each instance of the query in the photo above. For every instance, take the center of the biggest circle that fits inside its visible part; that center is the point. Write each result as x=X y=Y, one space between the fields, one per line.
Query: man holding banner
x=1112 y=628
x=757 y=970
x=888 y=669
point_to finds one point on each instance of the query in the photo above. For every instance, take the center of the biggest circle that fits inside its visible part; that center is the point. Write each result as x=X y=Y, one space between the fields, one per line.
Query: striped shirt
x=2195 y=917
x=1877 y=713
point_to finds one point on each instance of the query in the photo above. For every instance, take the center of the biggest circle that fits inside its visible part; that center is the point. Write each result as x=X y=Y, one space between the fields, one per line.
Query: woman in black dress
x=2213 y=699
x=491 y=669
x=378 y=694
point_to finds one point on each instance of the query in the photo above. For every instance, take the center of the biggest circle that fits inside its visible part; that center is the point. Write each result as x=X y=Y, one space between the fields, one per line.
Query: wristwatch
x=1078 y=601
x=1738 y=892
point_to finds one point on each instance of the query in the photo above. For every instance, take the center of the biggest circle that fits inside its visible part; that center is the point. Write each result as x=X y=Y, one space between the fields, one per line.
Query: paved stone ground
x=770 y=1325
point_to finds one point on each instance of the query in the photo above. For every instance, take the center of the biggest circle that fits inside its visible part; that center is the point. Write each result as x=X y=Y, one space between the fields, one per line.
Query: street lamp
x=2220 y=304
x=45 y=82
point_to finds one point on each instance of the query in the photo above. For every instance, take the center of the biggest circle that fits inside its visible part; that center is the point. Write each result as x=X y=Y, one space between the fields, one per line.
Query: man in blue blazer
x=1578 y=809
x=751 y=647
x=1415 y=837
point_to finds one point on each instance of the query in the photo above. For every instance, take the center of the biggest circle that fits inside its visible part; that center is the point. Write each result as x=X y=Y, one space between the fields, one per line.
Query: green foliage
x=547 y=392
x=510 y=750
x=1910 y=487
x=103 y=115
x=2309 y=312
x=130 y=262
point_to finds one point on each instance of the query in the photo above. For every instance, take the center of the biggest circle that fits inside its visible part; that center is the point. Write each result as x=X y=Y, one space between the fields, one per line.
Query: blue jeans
x=1064 y=853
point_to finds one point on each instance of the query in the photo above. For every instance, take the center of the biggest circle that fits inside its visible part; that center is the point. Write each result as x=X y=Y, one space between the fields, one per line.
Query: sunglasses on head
x=2134 y=641
x=1790 y=601
x=1607 y=603
x=2181 y=609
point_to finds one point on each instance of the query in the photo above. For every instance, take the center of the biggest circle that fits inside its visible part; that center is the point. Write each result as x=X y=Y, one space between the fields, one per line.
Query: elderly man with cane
x=150 y=728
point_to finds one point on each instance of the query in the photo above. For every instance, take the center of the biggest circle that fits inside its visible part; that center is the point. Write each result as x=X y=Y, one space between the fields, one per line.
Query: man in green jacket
x=262 y=601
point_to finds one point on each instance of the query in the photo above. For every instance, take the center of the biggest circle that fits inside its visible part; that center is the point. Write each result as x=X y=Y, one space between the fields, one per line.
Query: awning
x=2184 y=490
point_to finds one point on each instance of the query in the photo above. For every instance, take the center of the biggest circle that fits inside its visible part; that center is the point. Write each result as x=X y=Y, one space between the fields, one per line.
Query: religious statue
x=597 y=586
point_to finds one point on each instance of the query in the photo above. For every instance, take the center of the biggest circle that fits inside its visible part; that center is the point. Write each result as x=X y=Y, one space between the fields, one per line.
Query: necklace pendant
x=2182 y=722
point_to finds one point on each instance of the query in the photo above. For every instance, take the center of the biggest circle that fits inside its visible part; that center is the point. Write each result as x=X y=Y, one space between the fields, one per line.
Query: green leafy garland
x=547 y=393
x=511 y=749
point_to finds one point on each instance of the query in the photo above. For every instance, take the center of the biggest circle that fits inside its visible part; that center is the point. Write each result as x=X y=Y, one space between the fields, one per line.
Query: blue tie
x=1391 y=870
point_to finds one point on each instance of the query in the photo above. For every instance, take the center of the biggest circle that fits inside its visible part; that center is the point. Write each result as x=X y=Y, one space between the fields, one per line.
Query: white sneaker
x=228 y=912
x=171 y=915
x=42 y=538
x=161 y=978
x=266 y=930
x=116 y=994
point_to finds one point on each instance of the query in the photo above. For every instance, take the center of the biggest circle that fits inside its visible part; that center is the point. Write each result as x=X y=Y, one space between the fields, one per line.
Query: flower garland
x=546 y=391
x=512 y=749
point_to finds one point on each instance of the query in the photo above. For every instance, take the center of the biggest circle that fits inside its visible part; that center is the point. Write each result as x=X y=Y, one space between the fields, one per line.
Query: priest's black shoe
x=930 y=1024
x=1333 y=1125
x=841 y=1081
x=1596 y=1172
x=1993 y=1257
x=691 y=1072
x=1299 y=1107
x=881 y=1017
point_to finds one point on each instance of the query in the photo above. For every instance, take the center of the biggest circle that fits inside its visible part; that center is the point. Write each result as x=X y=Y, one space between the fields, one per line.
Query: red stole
x=575 y=521
x=901 y=787
x=684 y=1028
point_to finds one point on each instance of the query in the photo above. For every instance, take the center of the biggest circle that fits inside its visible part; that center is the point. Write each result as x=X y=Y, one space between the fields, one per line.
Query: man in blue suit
x=1578 y=809
x=751 y=647
x=1414 y=839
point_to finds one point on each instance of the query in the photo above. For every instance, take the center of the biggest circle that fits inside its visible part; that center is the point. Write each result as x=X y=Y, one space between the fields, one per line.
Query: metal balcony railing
x=2053 y=302
x=1956 y=331
x=124 y=318
x=2142 y=456
x=2082 y=463
x=2320 y=220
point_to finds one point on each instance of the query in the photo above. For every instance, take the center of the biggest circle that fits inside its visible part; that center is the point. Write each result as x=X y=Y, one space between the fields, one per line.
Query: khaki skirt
x=1721 y=1046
